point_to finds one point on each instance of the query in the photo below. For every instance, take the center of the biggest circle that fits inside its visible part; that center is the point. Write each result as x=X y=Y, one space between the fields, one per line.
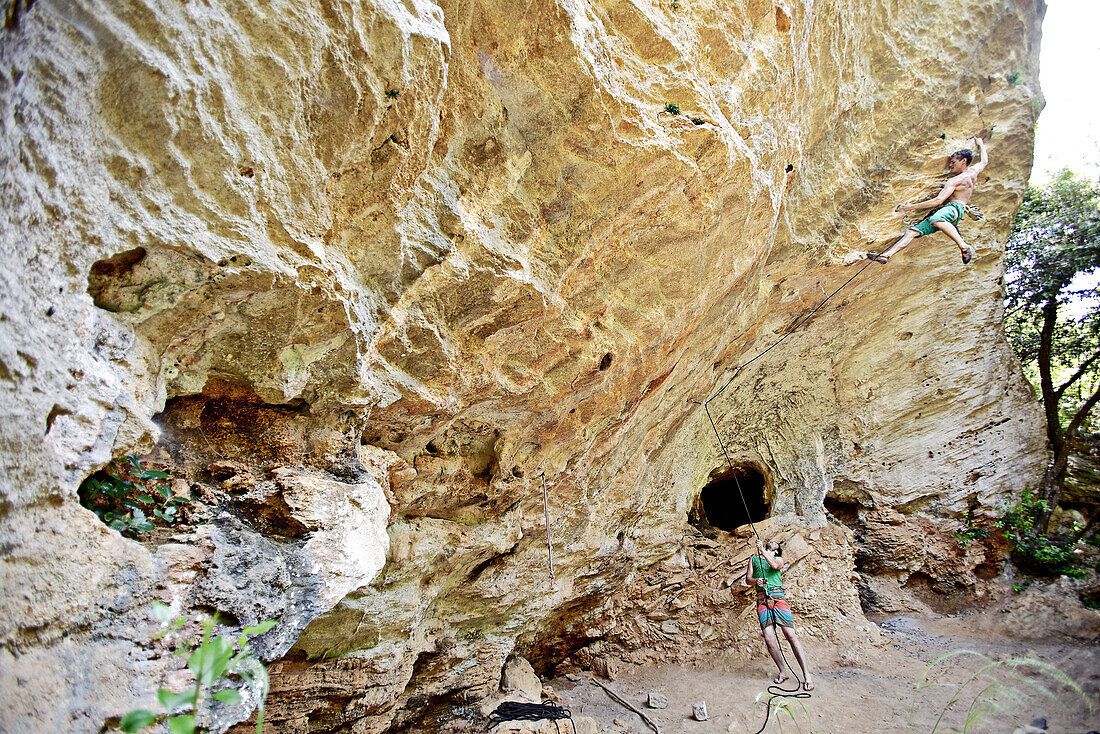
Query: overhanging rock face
x=339 y=267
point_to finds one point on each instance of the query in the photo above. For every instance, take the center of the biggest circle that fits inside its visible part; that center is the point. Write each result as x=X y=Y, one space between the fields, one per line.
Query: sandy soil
x=880 y=692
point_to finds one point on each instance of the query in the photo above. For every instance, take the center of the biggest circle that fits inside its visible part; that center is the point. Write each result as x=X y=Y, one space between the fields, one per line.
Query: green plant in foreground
x=698 y=120
x=784 y=706
x=1014 y=78
x=672 y=109
x=220 y=665
x=121 y=496
x=997 y=687
x=393 y=93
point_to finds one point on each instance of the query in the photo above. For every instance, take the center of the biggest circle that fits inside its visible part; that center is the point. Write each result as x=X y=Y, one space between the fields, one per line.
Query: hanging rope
x=792 y=330
x=546 y=517
x=777 y=342
x=774 y=690
x=734 y=471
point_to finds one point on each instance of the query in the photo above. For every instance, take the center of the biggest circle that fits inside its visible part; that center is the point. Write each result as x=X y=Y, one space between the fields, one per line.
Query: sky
x=1069 y=58
x=1068 y=135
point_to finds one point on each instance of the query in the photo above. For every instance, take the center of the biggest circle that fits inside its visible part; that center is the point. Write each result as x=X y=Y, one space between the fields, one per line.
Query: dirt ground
x=1014 y=651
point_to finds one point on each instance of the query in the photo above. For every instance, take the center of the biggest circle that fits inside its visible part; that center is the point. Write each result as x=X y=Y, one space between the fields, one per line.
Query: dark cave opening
x=720 y=503
x=845 y=512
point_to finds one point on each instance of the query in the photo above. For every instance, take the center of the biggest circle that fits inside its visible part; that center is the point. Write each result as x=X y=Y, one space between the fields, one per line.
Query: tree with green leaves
x=1052 y=315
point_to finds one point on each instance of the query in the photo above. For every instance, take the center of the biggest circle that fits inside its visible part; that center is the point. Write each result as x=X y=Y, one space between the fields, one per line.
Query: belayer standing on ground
x=950 y=204
x=764 y=572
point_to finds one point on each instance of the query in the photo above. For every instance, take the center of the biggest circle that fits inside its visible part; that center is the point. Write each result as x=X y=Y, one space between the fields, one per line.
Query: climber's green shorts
x=951 y=212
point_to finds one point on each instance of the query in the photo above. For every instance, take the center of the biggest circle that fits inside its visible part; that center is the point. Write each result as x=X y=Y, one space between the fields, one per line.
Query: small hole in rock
x=55 y=411
x=605 y=362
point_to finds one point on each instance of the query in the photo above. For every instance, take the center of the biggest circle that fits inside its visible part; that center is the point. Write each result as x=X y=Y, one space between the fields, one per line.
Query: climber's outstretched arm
x=981 y=164
x=944 y=195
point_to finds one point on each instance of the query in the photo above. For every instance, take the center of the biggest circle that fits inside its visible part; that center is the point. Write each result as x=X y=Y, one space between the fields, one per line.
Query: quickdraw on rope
x=546 y=516
x=517 y=711
x=908 y=219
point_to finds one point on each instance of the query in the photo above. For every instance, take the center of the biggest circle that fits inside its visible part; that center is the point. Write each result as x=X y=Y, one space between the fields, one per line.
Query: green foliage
x=1034 y=552
x=130 y=498
x=1014 y=78
x=675 y=4
x=1051 y=260
x=221 y=667
x=672 y=109
x=970 y=533
x=780 y=706
x=1009 y=686
x=393 y=93
x=698 y=120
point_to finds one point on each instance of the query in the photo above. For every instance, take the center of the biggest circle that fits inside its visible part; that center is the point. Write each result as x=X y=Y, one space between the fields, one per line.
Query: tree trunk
x=1051 y=490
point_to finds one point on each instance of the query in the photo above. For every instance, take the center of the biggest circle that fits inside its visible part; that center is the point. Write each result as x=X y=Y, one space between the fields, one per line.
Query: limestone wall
x=342 y=266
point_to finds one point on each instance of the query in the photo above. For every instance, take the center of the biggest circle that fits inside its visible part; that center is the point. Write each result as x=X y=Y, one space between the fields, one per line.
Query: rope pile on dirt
x=517 y=711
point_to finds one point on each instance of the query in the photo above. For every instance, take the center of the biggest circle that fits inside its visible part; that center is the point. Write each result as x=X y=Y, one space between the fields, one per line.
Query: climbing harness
x=517 y=711
x=973 y=212
x=774 y=690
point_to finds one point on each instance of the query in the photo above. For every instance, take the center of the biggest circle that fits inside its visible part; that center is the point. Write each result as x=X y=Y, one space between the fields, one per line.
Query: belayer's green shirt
x=761 y=569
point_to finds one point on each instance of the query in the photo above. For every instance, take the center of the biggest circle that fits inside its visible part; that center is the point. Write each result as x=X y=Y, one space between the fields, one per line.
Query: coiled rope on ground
x=518 y=711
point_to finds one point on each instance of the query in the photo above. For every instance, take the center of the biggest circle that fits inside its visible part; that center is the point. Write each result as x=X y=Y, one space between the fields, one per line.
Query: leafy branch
x=221 y=667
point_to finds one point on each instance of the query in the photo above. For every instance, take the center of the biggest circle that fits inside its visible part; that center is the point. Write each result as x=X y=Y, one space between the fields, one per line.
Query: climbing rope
x=516 y=711
x=792 y=330
x=737 y=481
x=774 y=690
x=706 y=403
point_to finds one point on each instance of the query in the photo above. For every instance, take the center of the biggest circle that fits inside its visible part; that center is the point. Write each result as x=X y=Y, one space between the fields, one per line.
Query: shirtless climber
x=956 y=193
